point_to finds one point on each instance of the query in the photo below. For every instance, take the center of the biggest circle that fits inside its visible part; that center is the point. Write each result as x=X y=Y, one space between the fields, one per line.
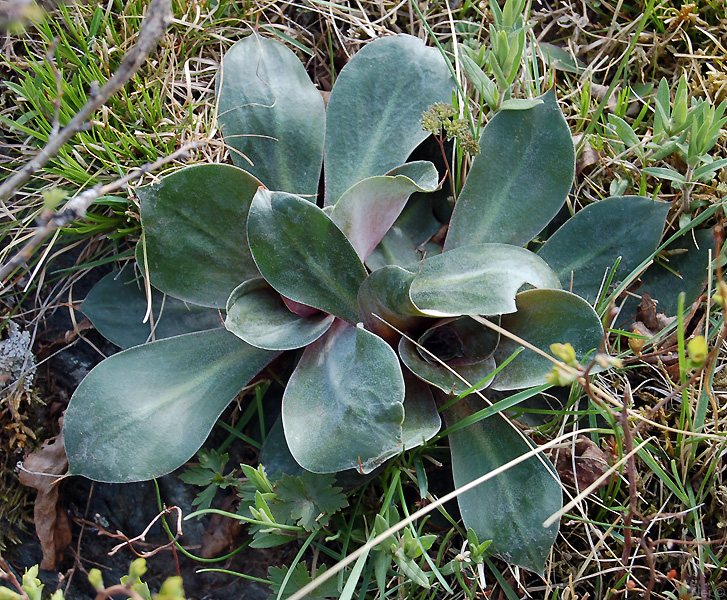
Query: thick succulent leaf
x=442 y=377
x=545 y=317
x=145 y=411
x=343 y=406
x=587 y=246
x=408 y=239
x=194 y=227
x=687 y=271
x=374 y=111
x=465 y=346
x=462 y=340
x=367 y=210
x=477 y=280
x=518 y=181
x=510 y=508
x=304 y=255
x=257 y=315
x=421 y=417
x=117 y=304
x=384 y=298
x=271 y=115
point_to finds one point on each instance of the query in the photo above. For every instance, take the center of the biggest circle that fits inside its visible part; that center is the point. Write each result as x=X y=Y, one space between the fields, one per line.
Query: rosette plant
x=246 y=262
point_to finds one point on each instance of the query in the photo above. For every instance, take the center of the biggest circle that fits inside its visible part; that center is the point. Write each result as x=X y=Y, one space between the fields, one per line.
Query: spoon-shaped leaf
x=477 y=280
x=343 y=407
x=116 y=306
x=145 y=411
x=518 y=181
x=194 y=226
x=373 y=116
x=304 y=255
x=384 y=300
x=545 y=317
x=687 y=271
x=421 y=417
x=367 y=210
x=510 y=508
x=440 y=376
x=408 y=239
x=589 y=243
x=271 y=115
x=257 y=314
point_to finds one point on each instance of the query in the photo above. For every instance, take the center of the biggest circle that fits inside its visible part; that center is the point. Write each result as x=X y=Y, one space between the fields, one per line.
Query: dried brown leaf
x=221 y=533
x=51 y=521
x=590 y=463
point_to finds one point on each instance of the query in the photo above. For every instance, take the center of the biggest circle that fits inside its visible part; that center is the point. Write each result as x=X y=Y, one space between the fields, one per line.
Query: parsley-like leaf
x=310 y=498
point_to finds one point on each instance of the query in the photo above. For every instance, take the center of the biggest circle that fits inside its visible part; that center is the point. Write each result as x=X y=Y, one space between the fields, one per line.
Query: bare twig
x=158 y=17
x=142 y=536
x=76 y=207
x=7 y=573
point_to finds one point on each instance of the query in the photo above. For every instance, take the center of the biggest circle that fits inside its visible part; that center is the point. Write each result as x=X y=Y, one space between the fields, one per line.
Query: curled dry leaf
x=40 y=470
x=221 y=533
x=587 y=157
x=590 y=463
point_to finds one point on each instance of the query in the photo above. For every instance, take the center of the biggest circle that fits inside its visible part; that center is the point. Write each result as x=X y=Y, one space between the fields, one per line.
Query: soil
x=98 y=511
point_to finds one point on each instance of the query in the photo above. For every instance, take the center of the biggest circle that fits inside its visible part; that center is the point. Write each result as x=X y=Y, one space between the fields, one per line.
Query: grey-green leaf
x=588 y=244
x=478 y=280
x=384 y=300
x=687 y=270
x=194 y=227
x=373 y=116
x=367 y=210
x=257 y=315
x=117 y=304
x=304 y=255
x=442 y=377
x=545 y=317
x=510 y=508
x=271 y=115
x=421 y=417
x=518 y=181
x=145 y=411
x=343 y=406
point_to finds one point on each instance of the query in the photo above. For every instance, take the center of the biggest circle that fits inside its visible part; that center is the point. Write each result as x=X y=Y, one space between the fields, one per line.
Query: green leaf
x=145 y=411
x=518 y=181
x=477 y=280
x=560 y=59
x=116 y=306
x=304 y=255
x=686 y=271
x=408 y=239
x=588 y=244
x=343 y=406
x=665 y=173
x=271 y=115
x=545 y=317
x=466 y=348
x=384 y=298
x=520 y=103
x=194 y=226
x=367 y=210
x=298 y=580
x=374 y=111
x=421 y=417
x=510 y=508
x=442 y=377
x=311 y=498
x=706 y=172
x=257 y=315
x=482 y=83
